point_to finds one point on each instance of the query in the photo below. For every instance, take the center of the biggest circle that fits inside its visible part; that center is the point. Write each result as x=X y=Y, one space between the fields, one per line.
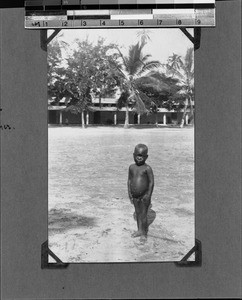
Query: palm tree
x=174 y=63
x=133 y=69
x=183 y=70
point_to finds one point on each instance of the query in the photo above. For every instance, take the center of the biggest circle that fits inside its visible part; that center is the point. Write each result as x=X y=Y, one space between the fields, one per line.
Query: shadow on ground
x=182 y=212
x=63 y=219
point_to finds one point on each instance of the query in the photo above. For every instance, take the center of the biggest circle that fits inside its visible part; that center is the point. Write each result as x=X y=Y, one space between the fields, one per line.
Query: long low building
x=106 y=113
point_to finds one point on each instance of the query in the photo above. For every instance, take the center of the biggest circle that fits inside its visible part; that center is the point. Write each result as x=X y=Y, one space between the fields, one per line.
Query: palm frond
x=152 y=84
x=174 y=61
x=192 y=73
x=139 y=105
x=145 y=58
x=144 y=35
x=124 y=59
x=189 y=59
x=123 y=99
x=149 y=66
x=174 y=72
x=134 y=59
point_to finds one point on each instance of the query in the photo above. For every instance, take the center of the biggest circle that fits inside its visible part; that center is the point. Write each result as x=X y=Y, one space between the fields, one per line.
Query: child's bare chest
x=139 y=172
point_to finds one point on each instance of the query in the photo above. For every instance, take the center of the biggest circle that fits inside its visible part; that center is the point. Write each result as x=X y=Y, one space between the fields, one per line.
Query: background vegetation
x=100 y=70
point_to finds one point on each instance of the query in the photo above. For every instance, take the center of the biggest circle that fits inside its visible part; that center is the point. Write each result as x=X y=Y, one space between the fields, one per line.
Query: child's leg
x=138 y=211
x=141 y=209
x=144 y=212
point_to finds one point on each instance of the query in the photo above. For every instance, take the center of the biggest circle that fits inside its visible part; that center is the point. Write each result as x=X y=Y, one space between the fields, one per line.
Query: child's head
x=140 y=154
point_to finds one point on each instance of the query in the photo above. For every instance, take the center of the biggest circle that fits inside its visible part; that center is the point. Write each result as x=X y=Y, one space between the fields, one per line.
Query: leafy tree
x=55 y=70
x=80 y=99
x=161 y=92
x=85 y=70
x=89 y=71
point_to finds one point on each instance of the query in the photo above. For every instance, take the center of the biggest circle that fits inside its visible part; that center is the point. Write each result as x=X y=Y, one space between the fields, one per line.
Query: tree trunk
x=191 y=111
x=156 y=119
x=184 y=114
x=100 y=100
x=126 y=123
x=83 y=119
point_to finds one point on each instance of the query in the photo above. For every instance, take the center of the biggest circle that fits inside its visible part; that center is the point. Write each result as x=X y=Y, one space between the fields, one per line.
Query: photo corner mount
x=197 y=250
x=45 y=253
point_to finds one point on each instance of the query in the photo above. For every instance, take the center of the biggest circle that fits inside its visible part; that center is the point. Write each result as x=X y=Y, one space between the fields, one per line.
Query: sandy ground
x=90 y=215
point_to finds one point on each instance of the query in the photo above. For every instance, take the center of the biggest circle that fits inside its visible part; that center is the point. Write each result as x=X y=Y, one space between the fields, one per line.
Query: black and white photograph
x=121 y=145
x=120 y=149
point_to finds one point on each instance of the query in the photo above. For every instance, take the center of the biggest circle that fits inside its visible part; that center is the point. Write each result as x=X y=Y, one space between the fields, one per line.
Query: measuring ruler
x=188 y=14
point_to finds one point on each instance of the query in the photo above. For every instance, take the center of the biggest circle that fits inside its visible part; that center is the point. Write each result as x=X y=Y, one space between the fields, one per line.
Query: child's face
x=140 y=156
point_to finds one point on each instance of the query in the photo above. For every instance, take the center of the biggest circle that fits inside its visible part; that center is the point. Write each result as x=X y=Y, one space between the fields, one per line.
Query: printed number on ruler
x=64 y=23
x=40 y=24
x=178 y=21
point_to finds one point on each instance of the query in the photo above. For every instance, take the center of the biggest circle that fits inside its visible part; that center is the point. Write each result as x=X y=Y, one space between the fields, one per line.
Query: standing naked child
x=140 y=188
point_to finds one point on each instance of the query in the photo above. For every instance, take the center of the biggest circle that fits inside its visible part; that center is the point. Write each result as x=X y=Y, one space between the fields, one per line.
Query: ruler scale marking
x=185 y=13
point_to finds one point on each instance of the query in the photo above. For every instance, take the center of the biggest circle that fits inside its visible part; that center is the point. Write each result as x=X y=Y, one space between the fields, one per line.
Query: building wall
x=53 y=117
x=103 y=118
x=107 y=117
x=151 y=119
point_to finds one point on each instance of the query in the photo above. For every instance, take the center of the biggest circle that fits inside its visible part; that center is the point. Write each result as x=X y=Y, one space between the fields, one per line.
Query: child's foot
x=137 y=234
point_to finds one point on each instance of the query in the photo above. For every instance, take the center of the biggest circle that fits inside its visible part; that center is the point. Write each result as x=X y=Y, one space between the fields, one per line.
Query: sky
x=163 y=41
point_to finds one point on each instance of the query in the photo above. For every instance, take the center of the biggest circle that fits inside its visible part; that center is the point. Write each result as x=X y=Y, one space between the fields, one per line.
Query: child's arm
x=129 y=190
x=149 y=192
